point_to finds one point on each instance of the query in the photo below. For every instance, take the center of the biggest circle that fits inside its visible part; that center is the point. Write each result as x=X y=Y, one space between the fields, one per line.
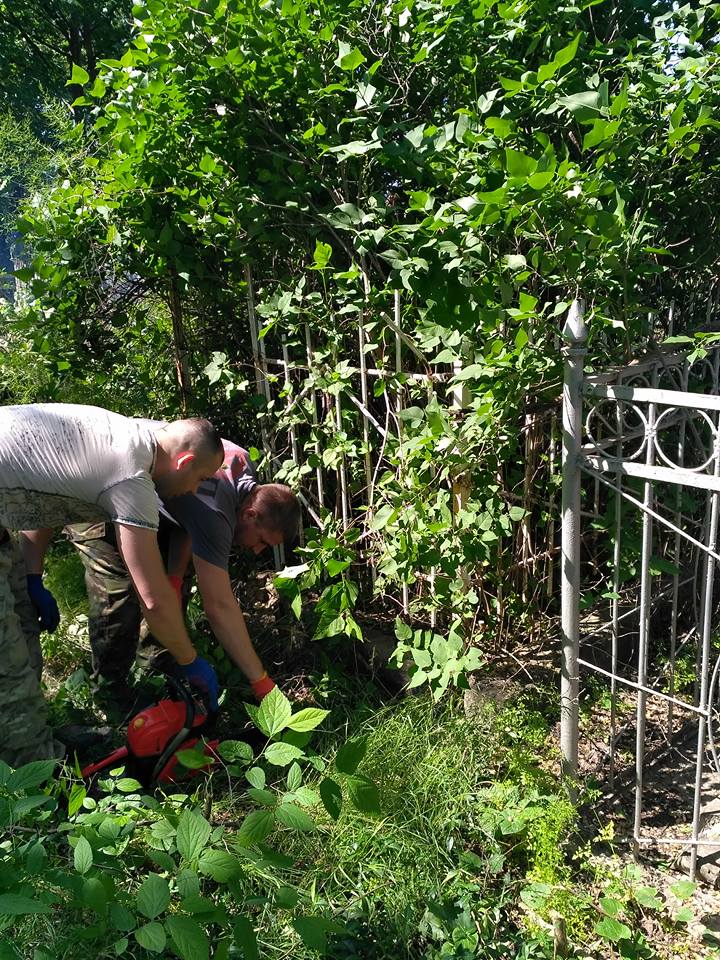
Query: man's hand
x=262 y=686
x=44 y=603
x=200 y=674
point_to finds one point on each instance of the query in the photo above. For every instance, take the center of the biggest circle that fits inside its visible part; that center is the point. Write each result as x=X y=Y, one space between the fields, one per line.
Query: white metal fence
x=640 y=511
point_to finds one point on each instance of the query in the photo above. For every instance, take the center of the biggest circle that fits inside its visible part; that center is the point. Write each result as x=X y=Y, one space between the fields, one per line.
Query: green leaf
x=684 y=915
x=245 y=939
x=347 y=58
x=191 y=942
x=76 y=798
x=364 y=794
x=24 y=274
x=152 y=937
x=536 y=895
x=561 y=59
x=351 y=754
x=295 y=818
x=121 y=918
x=613 y=930
x=307 y=719
x=610 y=906
x=314 y=931
x=82 y=855
x=355 y=148
x=538 y=181
x=8 y=951
x=94 y=895
x=322 y=255
x=79 y=75
x=307 y=797
x=287 y=898
x=515 y=261
x=683 y=889
x=235 y=750
x=193 y=758
x=382 y=517
x=583 y=103
x=331 y=796
x=15 y=905
x=600 y=131
x=281 y=754
x=255 y=776
x=219 y=864
x=266 y=797
x=294 y=777
x=256 y=827
x=648 y=897
x=193 y=833
x=419 y=677
x=274 y=713
x=153 y=897
x=127 y=785
x=519 y=164
x=31 y=775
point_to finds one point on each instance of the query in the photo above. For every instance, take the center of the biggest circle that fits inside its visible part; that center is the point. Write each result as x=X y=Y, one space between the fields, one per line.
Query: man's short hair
x=277 y=509
x=200 y=437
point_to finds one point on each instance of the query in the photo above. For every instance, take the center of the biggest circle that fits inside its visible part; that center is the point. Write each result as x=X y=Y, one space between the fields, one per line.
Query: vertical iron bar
x=677 y=547
x=706 y=645
x=705 y=664
x=574 y=351
x=645 y=599
x=550 y=565
x=616 y=597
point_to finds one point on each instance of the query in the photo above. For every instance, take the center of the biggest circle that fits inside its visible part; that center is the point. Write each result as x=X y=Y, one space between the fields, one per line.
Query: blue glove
x=200 y=674
x=44 y=603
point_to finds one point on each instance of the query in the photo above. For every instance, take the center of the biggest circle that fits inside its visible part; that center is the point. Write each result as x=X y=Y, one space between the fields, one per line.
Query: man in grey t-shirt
x=229 y=510
x=65 y=462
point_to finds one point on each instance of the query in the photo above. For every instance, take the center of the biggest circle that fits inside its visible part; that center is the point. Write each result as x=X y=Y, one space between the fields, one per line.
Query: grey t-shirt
x=209 y=516
x=63 y=463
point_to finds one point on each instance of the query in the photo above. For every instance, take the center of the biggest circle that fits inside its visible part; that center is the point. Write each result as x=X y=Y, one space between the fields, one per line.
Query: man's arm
x=33 y=545
x=140 y=551
x=226 y=617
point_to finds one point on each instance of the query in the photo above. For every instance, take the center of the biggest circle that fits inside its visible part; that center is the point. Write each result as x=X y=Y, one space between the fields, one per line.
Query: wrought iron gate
x=641 y=462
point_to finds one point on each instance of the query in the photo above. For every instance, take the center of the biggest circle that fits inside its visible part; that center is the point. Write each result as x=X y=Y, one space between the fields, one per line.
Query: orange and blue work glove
x=202 y=676
x=44 y=602
x=262 y=686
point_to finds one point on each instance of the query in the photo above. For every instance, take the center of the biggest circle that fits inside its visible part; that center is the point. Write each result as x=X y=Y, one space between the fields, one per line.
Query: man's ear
x=184 y=458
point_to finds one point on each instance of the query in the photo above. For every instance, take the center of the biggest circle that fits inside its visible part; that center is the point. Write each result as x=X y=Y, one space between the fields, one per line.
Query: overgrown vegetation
x=418 y=188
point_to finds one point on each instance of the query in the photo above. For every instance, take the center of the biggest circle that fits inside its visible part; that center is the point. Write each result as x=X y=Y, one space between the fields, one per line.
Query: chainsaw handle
x=183 y=693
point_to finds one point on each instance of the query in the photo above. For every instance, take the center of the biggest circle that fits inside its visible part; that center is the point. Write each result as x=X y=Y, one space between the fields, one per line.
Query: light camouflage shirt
x=64 y=463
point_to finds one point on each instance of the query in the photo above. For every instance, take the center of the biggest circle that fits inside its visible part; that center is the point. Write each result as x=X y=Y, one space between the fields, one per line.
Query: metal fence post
x=574 y=350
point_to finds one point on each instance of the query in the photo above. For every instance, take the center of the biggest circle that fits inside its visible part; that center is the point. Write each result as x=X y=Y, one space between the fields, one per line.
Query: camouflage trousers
x=26 y=735
x=118 y=632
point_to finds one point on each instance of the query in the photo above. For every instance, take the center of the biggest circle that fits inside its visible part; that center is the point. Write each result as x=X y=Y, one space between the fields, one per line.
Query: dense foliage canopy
x=488 y=160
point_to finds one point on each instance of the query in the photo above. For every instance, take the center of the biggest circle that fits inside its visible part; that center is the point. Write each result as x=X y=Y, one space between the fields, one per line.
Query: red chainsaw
x=157 y=734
